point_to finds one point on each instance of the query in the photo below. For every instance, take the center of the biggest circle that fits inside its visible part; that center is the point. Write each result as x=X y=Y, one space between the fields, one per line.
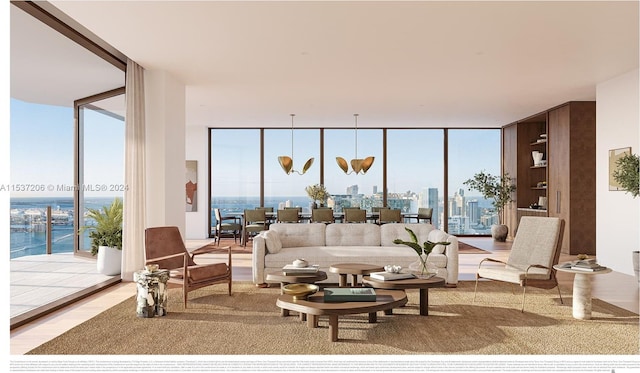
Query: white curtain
x=134 y=197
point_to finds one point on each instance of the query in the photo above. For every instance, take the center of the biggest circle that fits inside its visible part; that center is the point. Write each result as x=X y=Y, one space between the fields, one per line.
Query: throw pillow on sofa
x=272 y=241
x=438 y=236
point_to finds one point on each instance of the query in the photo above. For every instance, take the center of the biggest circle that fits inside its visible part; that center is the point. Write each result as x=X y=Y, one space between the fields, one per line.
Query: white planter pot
x=109 y=260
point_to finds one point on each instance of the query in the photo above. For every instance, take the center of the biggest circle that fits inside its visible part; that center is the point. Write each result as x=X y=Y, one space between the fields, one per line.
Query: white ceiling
x=397 y=64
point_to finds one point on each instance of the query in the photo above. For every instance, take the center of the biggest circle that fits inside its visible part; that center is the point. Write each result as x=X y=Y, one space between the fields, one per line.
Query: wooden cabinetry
x=566 y=137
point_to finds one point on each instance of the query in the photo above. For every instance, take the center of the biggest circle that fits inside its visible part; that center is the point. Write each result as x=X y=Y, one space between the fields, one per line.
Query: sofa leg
x=262 y=285
x=451 y=285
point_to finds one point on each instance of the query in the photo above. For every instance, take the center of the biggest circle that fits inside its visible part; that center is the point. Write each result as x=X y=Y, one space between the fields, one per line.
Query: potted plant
x=106 y=237
x=500 y=190
x=627 y=174
x=423 y=252
x=318 y=193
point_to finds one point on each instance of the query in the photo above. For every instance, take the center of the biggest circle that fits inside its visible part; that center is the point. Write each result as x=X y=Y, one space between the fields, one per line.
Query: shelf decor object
x=358 y=165
x=286 y=162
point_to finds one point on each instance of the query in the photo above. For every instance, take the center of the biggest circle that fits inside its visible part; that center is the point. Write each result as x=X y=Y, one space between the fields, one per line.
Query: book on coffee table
x=349 y=295
x=388 y=276
x=290 y=269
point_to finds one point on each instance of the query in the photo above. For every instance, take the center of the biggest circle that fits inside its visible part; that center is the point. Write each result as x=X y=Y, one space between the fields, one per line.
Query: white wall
x=197 y=149
x=165 y=152
x=617 y=213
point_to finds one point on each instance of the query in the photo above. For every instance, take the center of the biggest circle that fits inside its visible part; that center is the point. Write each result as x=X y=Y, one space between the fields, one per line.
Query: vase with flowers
x=318 y=193
x=421 y=268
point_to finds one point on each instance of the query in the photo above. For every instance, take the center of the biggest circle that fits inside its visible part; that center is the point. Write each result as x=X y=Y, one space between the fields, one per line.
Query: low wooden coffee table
x=315 y=306
x=412 y=283
x=353 y=269
x=283 y=279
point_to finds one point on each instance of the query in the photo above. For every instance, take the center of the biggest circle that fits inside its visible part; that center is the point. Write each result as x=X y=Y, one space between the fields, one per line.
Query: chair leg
x=524 y=290
x=558 y=287
x=475 y=291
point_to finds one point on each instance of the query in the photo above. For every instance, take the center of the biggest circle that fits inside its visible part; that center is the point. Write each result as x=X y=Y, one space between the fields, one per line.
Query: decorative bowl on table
x=151 y=268
x=300 y=291
x=392 y=268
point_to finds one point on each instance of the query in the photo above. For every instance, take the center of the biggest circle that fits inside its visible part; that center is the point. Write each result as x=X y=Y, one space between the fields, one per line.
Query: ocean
x=28 y=219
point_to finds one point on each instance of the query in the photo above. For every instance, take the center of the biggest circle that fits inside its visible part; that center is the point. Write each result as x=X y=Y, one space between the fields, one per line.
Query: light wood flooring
x=616 y=288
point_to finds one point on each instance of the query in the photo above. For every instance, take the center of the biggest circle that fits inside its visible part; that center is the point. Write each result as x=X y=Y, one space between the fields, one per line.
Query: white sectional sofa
x=327 y=244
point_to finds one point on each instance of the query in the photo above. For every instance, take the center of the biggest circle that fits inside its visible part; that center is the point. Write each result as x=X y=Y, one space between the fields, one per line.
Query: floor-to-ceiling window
x=100 y=157
x=235 y=170
x=471 y=151
x=415 y=171
x=51 y=68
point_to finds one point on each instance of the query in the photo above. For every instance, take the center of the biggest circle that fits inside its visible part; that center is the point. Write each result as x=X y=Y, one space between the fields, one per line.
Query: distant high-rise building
x=473 y=212
x=375 y=189
x=352 y=190
x=432 y=201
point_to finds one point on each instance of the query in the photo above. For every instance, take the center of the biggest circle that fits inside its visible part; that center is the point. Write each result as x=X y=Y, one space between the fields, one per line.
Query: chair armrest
x=152 y=260
x=491 y=260
x=259 y=250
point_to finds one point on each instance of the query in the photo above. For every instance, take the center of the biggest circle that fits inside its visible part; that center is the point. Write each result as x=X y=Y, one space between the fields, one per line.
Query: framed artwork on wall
x=614 y=155
x=192 y=186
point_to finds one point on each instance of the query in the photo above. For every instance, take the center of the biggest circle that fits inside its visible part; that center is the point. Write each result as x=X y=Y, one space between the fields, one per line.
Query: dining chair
x=288 y=216
x=355 y=215
x=425 y=213
x=322 y=215
x=390 y=216
x=226 y=226
x=164 y=246
x=253 y=222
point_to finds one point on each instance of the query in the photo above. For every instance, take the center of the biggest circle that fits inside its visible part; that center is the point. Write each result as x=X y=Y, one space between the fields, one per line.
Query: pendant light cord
x=356 y=116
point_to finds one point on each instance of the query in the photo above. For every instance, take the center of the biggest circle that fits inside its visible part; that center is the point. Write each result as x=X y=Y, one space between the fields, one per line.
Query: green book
x=349 y=295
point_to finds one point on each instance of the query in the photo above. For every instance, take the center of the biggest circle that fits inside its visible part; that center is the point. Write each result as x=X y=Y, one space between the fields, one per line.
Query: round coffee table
x=581 y=290
x=411 y=283
x=315 y=306
x=353 y=269
x=301 y=278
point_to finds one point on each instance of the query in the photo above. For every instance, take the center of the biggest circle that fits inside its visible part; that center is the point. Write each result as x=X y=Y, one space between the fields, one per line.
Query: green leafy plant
x=317 y=192
x=497 y=188
x=426 y=248
x=107 y=230
x=627 y=173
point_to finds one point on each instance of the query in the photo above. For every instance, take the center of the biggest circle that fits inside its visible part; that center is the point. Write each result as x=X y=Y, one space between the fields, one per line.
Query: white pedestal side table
x=582 y=290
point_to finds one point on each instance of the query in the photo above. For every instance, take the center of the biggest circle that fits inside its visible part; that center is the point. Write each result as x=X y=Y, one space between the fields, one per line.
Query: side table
x=581 y=290
x=411 y=283
x=151 y=292
x=353 y=269
x=301 y=278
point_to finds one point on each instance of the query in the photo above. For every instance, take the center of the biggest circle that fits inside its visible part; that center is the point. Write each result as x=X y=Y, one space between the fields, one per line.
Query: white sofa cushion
x=353 y=234
x=300 y=235
x=272 y=241
x=437 y=236
x=390 y=232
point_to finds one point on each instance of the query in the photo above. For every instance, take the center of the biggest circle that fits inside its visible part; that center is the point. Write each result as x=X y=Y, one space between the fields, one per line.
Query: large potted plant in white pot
x=500 y=190
x=627 y=175
x=106 y=237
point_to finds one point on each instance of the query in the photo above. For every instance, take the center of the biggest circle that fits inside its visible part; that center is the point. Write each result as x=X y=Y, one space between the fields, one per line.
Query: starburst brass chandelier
x=286 y=162
x=358 y=166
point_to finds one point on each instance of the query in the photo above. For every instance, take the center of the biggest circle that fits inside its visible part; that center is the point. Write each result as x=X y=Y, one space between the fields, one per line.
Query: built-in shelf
x=543 y=166
x=539 y=188
x=532 y=210
x=538 y=142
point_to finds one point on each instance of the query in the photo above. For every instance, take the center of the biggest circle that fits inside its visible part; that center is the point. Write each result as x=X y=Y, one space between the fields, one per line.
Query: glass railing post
x=49 y=231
